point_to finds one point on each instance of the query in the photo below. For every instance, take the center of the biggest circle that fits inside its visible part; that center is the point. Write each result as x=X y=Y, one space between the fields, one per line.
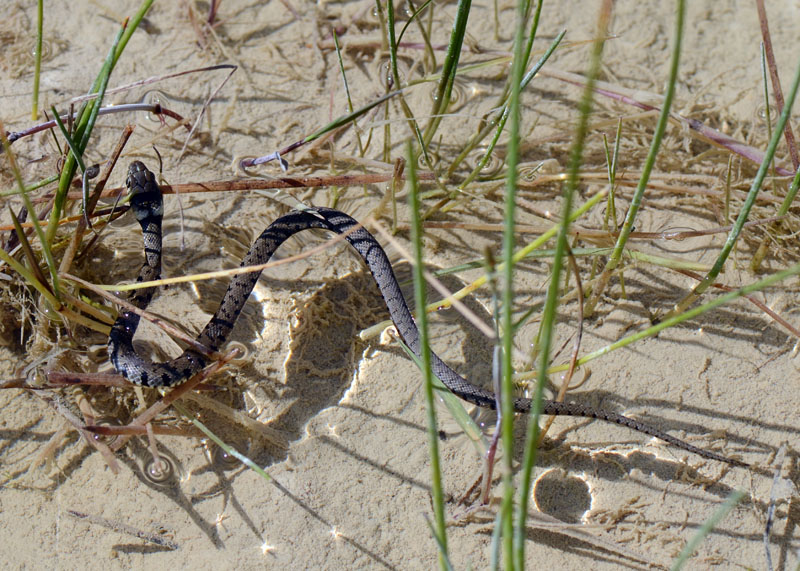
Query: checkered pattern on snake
x=147 y=204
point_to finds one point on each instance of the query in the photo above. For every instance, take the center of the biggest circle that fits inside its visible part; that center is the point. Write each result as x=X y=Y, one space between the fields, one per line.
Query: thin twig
x=263 y=184
x=77 y=236
x=155 y=108
x=573 y=361
x=772 y=500
x=752 y=299
x=56 y=402
x=777 y=92
x=206 y=103
x=487 y=331
x=712 y=135
x=208 y=275
x=151 y=317
x=125 y=528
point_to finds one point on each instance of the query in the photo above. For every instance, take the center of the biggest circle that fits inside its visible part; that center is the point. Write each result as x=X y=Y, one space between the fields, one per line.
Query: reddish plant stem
x=776 y=82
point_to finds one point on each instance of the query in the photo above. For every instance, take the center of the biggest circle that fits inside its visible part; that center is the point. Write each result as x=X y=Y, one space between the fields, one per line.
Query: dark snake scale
x=147 y=204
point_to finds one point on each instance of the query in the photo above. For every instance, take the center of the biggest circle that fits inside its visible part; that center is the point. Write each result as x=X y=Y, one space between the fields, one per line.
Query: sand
x=352 y=489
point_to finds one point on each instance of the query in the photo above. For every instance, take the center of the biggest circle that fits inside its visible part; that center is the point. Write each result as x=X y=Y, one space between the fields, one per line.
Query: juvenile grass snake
x=147 y=204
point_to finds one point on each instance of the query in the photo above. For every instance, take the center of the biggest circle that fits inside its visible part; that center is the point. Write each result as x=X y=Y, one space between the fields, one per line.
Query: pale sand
x=354 y=483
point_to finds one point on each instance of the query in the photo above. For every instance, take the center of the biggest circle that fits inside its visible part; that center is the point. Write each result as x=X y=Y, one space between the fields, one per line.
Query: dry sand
x=354 y=484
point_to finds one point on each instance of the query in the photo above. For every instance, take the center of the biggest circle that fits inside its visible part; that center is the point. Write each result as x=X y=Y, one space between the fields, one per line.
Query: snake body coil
x=147 y=204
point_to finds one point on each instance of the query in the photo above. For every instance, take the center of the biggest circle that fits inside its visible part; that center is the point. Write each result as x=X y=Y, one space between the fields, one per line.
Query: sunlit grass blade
x=40 y=234
x=518 y=255
x=29 y=278
x=219 y=442
x=28 y=251
x=674 y=320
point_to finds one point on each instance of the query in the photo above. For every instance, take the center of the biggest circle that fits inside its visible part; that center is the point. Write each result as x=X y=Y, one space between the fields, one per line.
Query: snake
x=146 y=201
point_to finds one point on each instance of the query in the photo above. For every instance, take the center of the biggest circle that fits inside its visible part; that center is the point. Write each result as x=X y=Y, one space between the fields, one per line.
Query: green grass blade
x=29 y=278
x=507 y=318
x=763 y=248
x=444 y=90
x=673 y=320
x=413 y=17
x=37 y=66
x=425 y=354
x=396 y=80
x=68 y=138
x=344 y=119
x=42 y=183
x=611 y=161
x=456 y=408
x=444 y=557
x=24 y=272
x=80 y=139
x=495 y=545
x=94 y=109
x=219 y=442
x=789 y=200
x=706 y=528
x=502 y=116
x=40 y=234
x=546 y=329
x=83 y=125
x=26 y=249
x=519 y=255
x=501 y=122
x=392 y=41
x=341 y=69
x=347 y=91
x=636 y=201
x=133 y=24
x=429 y=61
x=733 y=236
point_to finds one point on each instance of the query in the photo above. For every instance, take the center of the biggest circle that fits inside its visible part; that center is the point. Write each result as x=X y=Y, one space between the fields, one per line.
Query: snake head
x=139 y=176
x=144 y=192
